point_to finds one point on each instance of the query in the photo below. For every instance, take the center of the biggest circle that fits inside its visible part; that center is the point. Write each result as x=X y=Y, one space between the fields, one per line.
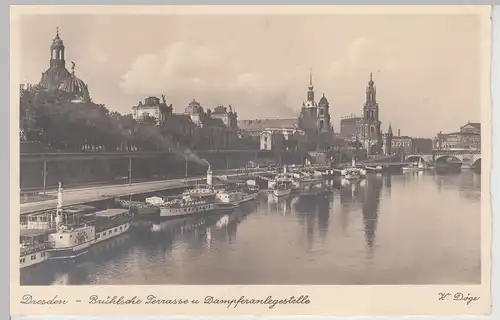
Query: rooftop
x=460 y=133
x=110 y=213
x=35 y=232
x=261 y=124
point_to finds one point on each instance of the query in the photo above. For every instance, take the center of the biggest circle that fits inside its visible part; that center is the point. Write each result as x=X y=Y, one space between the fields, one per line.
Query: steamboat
x=282 y=188
x=68 y=234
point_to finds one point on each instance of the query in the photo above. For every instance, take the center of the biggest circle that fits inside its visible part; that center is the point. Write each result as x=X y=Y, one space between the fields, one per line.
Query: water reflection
x=418 y=228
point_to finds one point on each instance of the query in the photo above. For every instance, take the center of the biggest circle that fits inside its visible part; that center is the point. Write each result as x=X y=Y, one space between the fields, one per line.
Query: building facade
x=350 y=127
x=212 y=133
x=469 y=137
x=151 y=108
x=282 y=139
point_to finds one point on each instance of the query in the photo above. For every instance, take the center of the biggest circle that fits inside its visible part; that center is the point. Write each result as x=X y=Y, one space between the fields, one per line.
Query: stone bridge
x=467 y=157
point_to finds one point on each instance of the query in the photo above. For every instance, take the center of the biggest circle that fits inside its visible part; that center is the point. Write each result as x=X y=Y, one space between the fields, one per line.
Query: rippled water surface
x=419 y=228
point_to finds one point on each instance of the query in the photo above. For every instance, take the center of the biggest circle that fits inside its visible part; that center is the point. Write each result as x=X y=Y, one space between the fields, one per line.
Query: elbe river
x=413 y=228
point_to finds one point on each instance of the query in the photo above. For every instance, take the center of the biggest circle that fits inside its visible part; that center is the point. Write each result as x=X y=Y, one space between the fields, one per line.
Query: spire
x=57 y=32
x=72 y=68
x=310 y=79
x=389 y=131
x=310 y=93
x=370 y=83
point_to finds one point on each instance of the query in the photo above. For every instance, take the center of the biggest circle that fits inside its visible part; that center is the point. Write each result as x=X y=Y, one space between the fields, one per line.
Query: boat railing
x=34 y=248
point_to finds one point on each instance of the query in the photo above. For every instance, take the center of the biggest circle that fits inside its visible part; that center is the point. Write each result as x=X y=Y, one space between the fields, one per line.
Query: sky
x=425 y=67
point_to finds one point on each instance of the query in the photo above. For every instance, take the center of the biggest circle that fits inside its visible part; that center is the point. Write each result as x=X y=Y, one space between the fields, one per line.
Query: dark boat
x=141 y=210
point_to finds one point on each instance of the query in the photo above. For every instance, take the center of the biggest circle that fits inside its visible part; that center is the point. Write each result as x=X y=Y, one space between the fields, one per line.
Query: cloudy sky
x=426 y=68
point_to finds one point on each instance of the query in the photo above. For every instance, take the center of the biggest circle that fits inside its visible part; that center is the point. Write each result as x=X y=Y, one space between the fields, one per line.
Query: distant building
x=365 y=129
x=471 y=127
x=369 y=132
x=151 y=108
x=195 y=128
x=422 y=145
x=57 y=77
x=315 y=119
x=213 y=133
x=350 y=127
x=469 y=137
x=271 y=140
x=282 y=139
x=387 y=141
x=254 y=127
x=404 y=144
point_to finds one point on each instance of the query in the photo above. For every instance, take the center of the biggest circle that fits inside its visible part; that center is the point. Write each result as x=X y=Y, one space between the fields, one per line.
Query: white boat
x=74 y=239
x=185 y=205
x=353 y=172
x=34 y=247
x=292 y=178
x=68 y=233
x=200 y=191
x=282 y=189
x=414 y=167
x=237 y=196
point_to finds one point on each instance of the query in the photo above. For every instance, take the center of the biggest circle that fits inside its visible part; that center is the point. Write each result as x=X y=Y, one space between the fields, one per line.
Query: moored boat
x=69 y=233
x=141 y=210
x=352 y=174
x=282 y=189
x=185 y=205
x=34 y=247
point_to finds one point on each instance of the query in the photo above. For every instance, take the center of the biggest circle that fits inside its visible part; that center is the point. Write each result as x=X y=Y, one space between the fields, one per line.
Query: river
x=414 y=228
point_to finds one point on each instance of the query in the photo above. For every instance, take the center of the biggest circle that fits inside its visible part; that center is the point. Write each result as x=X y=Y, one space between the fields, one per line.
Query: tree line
x=55 y=119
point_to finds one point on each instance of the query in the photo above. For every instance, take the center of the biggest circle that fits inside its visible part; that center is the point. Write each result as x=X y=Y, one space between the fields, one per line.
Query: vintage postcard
x=250 y=160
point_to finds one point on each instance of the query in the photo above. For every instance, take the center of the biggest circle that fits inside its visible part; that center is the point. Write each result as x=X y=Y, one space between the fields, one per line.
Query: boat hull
x=281 y=193
x=72 y=253
x=33 y=259
x=169 y=213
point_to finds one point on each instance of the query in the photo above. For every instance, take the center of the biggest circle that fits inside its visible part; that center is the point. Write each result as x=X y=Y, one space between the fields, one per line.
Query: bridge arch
x=477 y=163
x=448 y=158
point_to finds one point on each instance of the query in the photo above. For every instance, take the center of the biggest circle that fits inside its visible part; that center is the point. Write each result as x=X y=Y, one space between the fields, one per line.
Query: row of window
x=110 y=232
x=32 y=257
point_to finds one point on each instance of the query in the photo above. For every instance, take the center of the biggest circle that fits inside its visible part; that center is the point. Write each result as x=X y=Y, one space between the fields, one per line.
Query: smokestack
x=59 y=207
x=399 y=132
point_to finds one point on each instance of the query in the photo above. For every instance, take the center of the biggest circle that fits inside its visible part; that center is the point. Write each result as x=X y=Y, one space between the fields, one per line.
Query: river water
x=415 y=228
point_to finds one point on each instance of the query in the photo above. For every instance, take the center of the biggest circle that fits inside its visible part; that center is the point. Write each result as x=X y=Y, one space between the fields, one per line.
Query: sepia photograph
x=301 y=147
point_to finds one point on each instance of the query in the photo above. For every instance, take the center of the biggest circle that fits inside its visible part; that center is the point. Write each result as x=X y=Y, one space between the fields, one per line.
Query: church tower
x=57 y=72
x=323 y=118
x=310 y=93
x=57 y=52
x=371 y=120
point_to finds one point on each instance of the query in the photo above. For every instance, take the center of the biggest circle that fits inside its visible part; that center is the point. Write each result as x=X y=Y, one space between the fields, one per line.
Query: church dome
x=75 y=85
x=194 y=107
x=57 y=41
x=323 y=100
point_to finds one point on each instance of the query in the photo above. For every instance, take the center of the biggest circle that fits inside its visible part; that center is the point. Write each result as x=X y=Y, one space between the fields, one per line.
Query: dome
x=57 y=42
x=323 y=100
x=194 y=107
x=76 y=86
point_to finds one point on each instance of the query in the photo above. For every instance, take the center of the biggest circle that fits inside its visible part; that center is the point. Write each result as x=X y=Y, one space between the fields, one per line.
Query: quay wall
x=102 y=170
